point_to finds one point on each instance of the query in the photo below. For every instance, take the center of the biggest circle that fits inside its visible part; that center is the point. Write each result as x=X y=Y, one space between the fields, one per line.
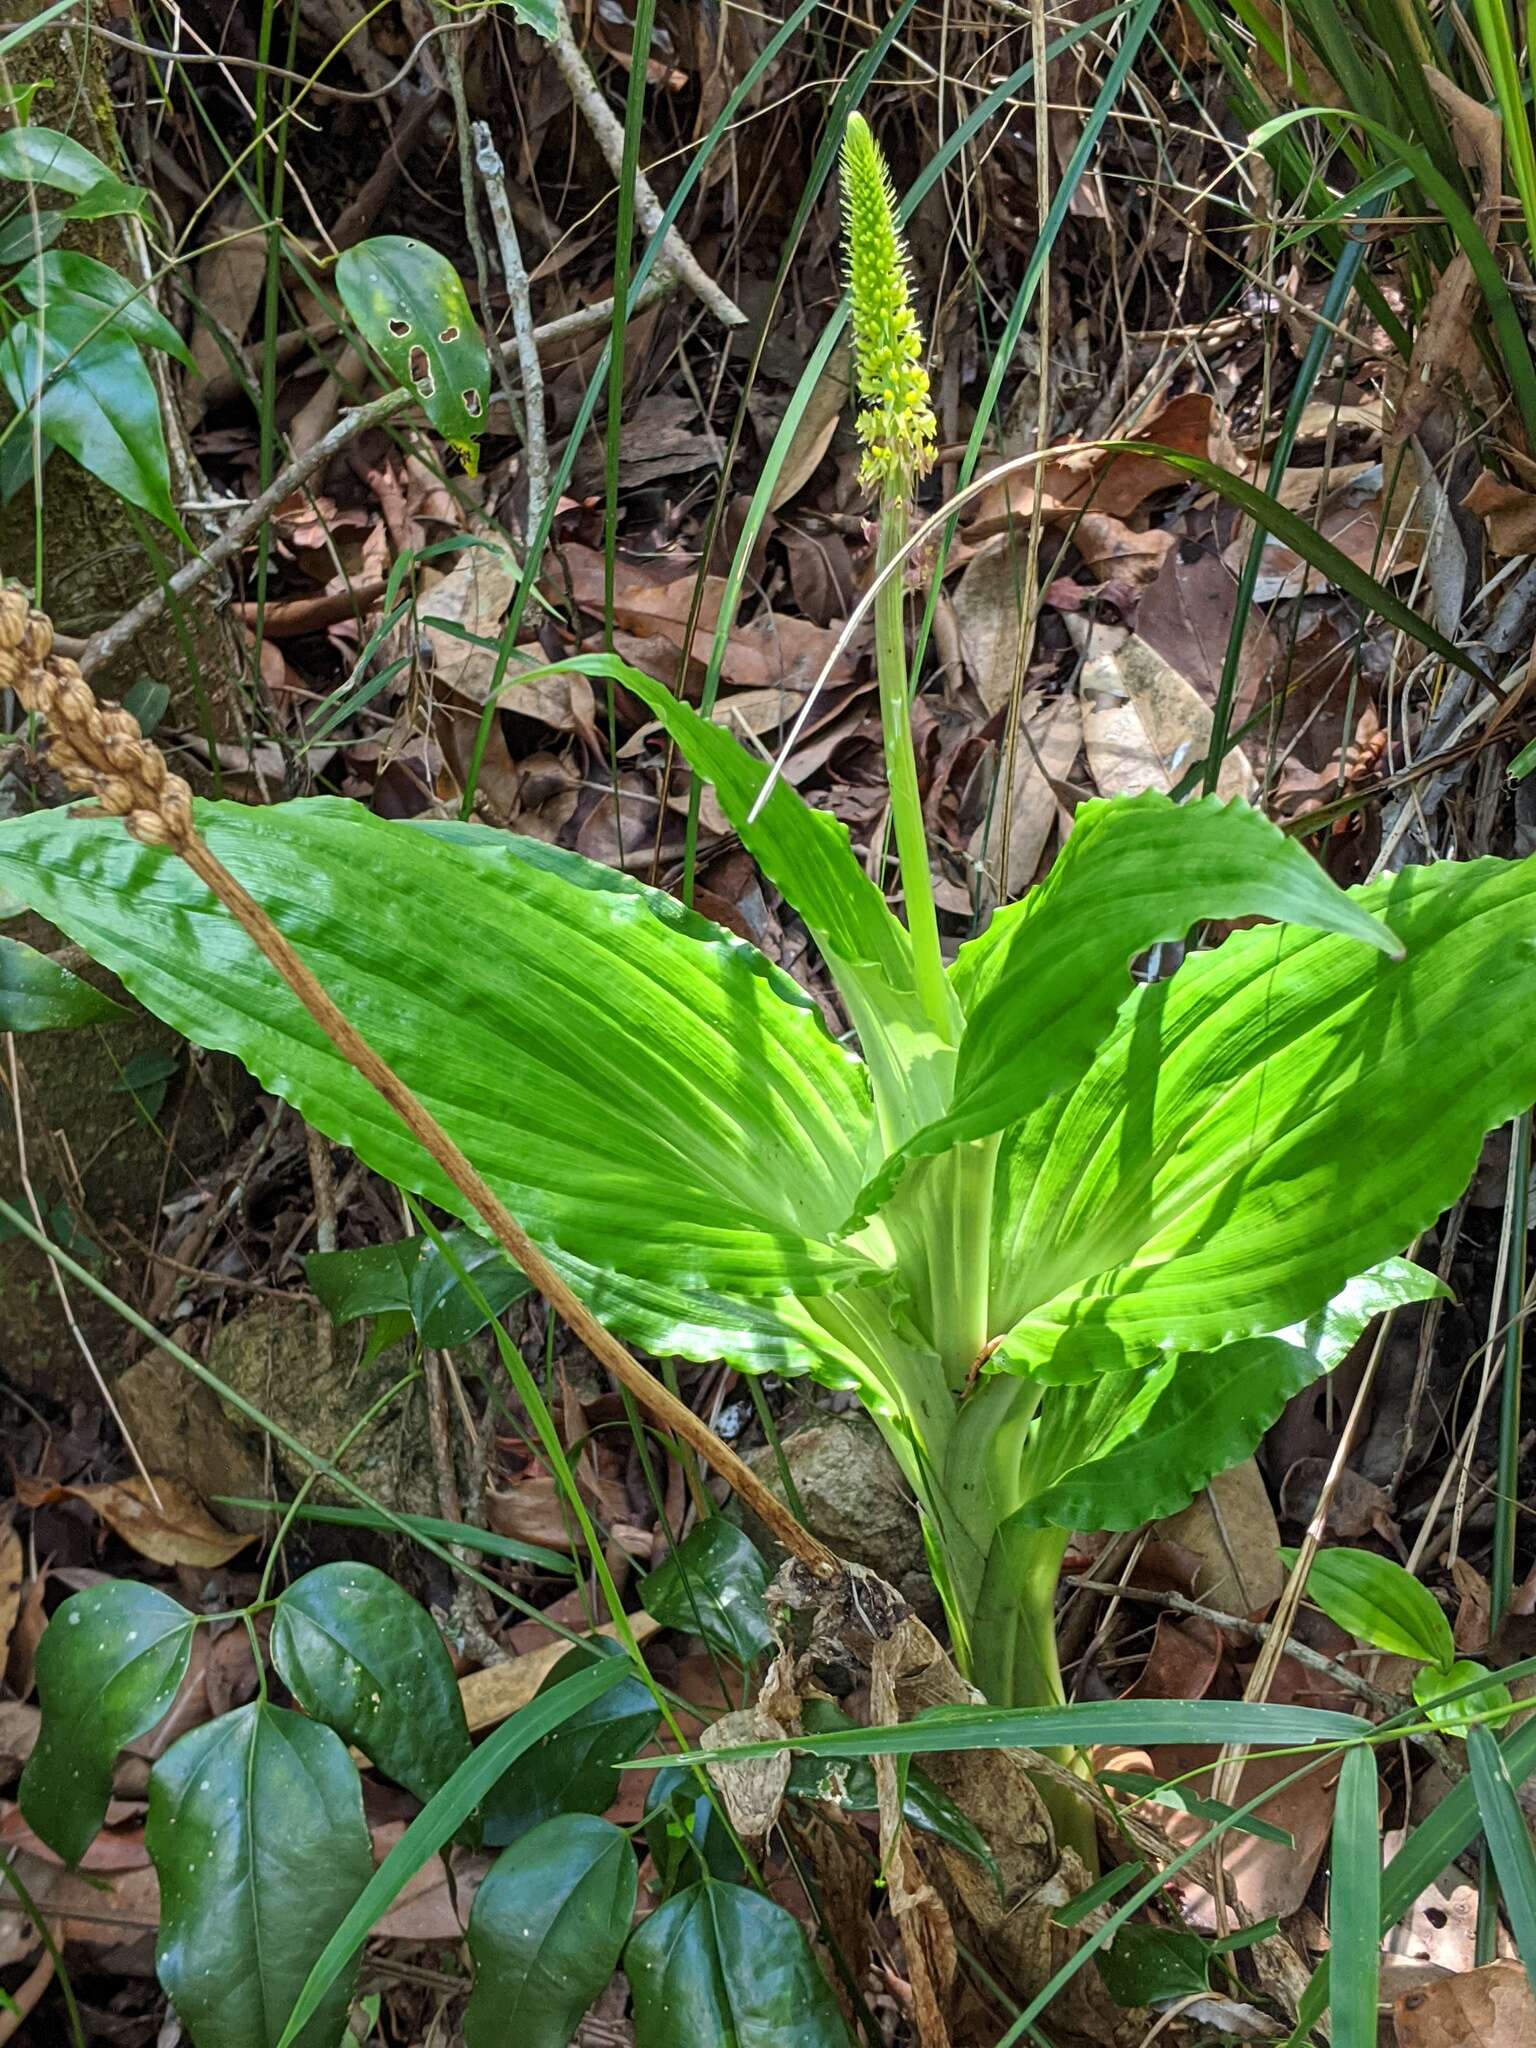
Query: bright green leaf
x=432 y=1528
x=684 y=1827
x=97 y=402
x=643 y=1102
x=1374 y=1598
x=713 y=1586
x=64 y=277
x=539 y=15
x=1285 y=1112
x=1354 y=1902
x=1508 y=1835
x=359 y=1654
x=572 y=1769
x=108 y=1667
x=545 y=1932
x=107 y=198
x=722 y=1967
x=257 y=1835
x=36 y=994
x=411 y=307
x=1431 y=1685
x=44 y=156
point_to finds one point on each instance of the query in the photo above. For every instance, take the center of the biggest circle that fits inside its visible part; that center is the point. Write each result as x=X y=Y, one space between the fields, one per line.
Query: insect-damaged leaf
x=410 y=306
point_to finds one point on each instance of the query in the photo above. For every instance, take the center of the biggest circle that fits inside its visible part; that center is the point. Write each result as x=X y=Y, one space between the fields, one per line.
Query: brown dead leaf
x=19 y=1725
x=753 y=1791
x=1115 y=552
x=1231 y=1528
x=434 y=1905
x=1383 y=533
x=1444 y=352
x=1474 y=1611
x=816 y=426
x=531 y=1511
x=228 y=277
x=658 y=442
x=1144 y=723
x=1050 y=736
x=1487 y=2008
x=490 y=1695
x=26 y=1634
x=179 y=1531
x=1183 y=1661
x=1357 y=1507
x=1507 y=511
x=1096 y=479
x=12 y=1566
x=473 y=596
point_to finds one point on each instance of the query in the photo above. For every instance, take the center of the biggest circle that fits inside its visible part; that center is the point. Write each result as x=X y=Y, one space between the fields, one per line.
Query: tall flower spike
x=895 y=423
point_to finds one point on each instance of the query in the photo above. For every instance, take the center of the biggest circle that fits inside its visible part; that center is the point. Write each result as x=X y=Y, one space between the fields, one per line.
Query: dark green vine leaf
x=722 y=1967
x=684 y=1824
x=713 y=1585
x=22 y=236
x=65 y=277
x=257 y=1835
x=413 y=1275
x=572 y=1769
x=411 y=307
x=546 y=1930
x=362 y=1656
x=95 y=400
x=45 y=156
x=1151 y=1965
x=36 y=994
x=108 y=1668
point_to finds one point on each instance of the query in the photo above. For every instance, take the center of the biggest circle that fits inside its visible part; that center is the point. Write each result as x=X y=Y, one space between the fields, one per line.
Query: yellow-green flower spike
x=896 y=423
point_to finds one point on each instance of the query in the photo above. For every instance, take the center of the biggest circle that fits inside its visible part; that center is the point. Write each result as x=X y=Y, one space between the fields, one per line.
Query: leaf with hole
x=546 y=1929
x=411 y=308
x=257 y=1835
x=65 y=277
x=713 y=1585
x=36 y=994
x=108 y=1667
x=1375 y=1599
x=573 y=1769
x=359 y=1654
x=718 y=1964
x=95 y=400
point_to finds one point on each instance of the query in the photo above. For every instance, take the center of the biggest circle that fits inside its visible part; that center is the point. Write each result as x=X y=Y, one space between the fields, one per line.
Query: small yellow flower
x=896 y=423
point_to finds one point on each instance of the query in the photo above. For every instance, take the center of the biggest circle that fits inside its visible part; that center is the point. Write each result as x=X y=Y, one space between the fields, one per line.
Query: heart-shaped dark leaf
x=548 y=1924
x=256 y=1832
x=722 y=1967
x=571 y=1770
x=415 y=1276
x=108 y=1667
x=362 y=1656
x=36 y=994
x=713 y=1585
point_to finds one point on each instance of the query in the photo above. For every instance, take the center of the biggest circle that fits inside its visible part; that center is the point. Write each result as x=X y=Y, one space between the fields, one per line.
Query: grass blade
x=463 y=1534
x=1509 y=1841
x=1354 y=1902
x=442 y=1817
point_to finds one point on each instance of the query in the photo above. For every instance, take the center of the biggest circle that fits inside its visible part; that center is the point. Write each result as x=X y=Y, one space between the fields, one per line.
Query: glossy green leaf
x=45 y=156
x=851 y=1785
x=713 y=1585
x=1042 y=986
x=36 y=994
x=573 y=1769
x=108 y=1667
x=643 y=1101
x=411 y=307
x=722 y=1967
x=22 y=237
x=687 y=1833
x=1508 y=1835
x=1154 y=1965
x=1374 y=1598
x=545 y=1932
x=64 y=277
x=1284 y=1113
x=364 y=1657
x=1354 y=1902
x=97 y=402
x=539 y=15
x=439 y=1820
x=807 y=856
x=109 y=197
x=257 y=1835
x=412 y=1274
x=1132 y=1448
x=1431 y=1685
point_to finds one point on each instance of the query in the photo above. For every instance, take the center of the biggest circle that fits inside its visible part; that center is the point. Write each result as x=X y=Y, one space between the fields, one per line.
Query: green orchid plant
x=1074 y=1242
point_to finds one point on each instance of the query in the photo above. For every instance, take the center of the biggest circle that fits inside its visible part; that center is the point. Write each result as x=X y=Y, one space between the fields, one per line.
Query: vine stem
x=901 y=770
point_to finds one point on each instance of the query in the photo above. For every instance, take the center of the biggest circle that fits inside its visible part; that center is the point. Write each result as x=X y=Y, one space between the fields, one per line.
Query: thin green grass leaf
x=1354 y=1902
x=463 y=1534
x=1509 y=1840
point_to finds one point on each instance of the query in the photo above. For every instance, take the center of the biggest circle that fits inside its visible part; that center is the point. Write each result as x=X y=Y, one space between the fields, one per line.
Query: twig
x=535 y=442
x=323 y=1180
x=100 y=750
x=608 y=132
x=19 y=2003
x=58 y=1281
x=111 y=640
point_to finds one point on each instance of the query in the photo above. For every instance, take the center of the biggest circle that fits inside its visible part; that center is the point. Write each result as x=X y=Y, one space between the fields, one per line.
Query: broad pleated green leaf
x=94 y=399
x=257 y=1835
x=37 y=994
x=641 y=1099
x=719 y=1966
x=361 y=1655
x=108 y=1668
x=1043 y=984
x=545 y=1932
x=1284 y=1113
x=1134 y=1452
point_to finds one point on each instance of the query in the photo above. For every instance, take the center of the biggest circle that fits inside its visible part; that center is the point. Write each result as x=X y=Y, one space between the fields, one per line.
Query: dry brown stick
x=111 y=640
x=100 y=749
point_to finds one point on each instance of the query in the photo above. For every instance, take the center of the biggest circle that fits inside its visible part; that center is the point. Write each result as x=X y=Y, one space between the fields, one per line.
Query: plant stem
x=901 y=771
